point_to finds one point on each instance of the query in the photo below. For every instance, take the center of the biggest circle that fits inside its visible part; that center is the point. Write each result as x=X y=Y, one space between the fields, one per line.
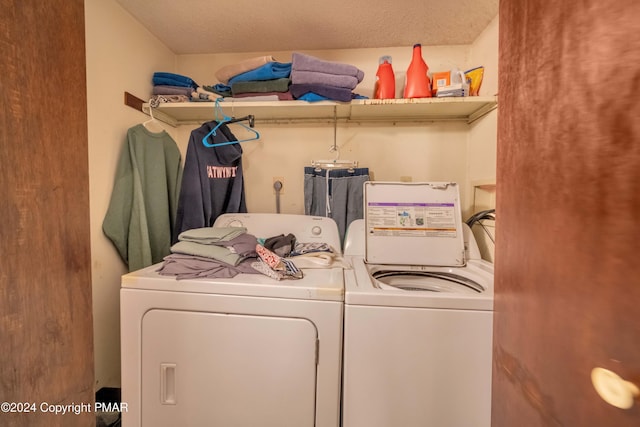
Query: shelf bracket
x=481 y=112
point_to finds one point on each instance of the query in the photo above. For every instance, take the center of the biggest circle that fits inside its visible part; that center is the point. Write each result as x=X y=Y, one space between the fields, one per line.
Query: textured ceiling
x=213 y=26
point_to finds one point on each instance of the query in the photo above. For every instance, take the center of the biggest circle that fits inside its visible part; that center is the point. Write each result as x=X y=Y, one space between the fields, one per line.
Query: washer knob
x=613 y=389
x=316 y=230
x=235 y=223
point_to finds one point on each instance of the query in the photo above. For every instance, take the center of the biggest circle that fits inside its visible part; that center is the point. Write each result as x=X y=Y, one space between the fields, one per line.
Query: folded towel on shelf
x=172 y=90
x=316 y=77
x=277 y=85
x=259 y=97
x=282 y=96
x=325 y=91
x=226 y=72
x=313 y=97
x=269 y=71
x=220 y=89
x=302 y=62
x=172 y=79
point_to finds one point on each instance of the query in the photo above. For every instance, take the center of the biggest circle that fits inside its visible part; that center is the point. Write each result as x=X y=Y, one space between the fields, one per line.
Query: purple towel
x=330 y=92
x=302 y=62
x=317 y=78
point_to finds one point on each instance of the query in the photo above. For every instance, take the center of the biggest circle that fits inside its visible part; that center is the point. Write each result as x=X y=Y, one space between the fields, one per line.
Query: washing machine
x=245 y=351
x=418 y=312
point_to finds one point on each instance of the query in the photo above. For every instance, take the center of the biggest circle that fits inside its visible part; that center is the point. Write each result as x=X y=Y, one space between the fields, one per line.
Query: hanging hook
x=335 y=128
x=334 y=147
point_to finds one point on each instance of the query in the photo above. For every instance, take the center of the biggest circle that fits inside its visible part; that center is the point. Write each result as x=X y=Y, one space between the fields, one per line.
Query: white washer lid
x=410 y=223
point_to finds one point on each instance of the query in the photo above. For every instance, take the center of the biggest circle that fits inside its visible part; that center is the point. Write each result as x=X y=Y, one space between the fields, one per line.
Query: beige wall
x=122 y=56
x=483 y=135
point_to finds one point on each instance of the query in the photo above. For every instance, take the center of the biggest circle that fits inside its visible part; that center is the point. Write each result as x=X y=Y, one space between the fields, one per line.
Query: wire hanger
x=222 y=118
x=336 y=163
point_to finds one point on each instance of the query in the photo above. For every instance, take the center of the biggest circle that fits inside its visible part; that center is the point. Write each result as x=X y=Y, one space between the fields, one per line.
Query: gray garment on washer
x=342 y=189
x=185 y=266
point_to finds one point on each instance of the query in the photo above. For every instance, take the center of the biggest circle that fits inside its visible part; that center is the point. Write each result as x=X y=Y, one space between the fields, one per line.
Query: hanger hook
x=335 y=130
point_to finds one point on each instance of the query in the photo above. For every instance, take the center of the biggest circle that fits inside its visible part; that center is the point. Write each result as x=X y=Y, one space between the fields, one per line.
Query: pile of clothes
x=172 y=87
x=260 y=78
x=224 y=252
x=314 y=79
x=306 y=77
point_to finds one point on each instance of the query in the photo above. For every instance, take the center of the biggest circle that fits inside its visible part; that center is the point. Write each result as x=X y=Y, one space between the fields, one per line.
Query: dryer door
x=227 y=370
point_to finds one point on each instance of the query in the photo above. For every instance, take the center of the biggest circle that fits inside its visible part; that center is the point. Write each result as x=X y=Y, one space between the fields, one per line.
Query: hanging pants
x=336 y=194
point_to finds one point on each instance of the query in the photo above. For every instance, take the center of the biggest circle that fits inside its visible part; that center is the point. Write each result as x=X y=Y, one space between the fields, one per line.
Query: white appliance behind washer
x=247 y=351
x=417 y=350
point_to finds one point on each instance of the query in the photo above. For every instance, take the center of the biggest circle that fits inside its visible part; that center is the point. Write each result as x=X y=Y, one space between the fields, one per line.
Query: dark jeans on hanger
x=335 y=194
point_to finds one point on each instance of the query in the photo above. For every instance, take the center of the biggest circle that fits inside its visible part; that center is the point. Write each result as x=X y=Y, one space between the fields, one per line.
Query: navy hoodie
x=212 y=182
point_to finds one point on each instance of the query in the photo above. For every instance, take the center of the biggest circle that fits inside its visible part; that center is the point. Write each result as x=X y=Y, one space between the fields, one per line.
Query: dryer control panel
x=306 y=228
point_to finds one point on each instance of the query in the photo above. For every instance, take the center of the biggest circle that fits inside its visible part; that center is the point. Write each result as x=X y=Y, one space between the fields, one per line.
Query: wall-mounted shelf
x=467 y=109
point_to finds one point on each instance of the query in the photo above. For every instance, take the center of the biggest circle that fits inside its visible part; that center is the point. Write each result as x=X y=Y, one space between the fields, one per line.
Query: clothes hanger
x=336 y=163
x=222 y=118
x=152 y=121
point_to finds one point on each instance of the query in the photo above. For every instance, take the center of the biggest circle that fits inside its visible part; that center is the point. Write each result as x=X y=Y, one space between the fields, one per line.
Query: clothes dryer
x=418 y=312
x=246 y=351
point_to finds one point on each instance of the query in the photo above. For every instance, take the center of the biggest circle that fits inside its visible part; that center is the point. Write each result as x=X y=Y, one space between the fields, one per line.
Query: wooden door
x=568 y=200
x=46 y=346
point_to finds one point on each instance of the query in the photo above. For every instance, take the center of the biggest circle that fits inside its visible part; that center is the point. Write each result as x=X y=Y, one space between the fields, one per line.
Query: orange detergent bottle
x=385 y=80
x=417 y=84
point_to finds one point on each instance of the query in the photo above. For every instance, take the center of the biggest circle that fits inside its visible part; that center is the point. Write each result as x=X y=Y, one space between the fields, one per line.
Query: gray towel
x=192 y=267
x=276 y=85
x=318 y=78
x=302 y=62
x=172 y=90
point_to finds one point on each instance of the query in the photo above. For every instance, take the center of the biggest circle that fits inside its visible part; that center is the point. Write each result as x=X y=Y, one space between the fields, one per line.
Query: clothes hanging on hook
x=212 y=181
x=335 y=193
x=153 y=125
x=142 y=209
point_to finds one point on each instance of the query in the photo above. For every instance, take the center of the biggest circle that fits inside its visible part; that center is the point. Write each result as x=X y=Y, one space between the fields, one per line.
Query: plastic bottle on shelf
x=417 y=83
x=385 y=80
